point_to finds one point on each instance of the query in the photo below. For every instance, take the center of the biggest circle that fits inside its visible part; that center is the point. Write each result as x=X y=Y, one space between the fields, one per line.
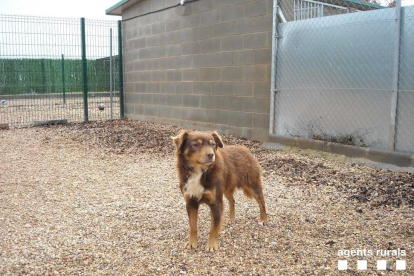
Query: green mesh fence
x=42 y=73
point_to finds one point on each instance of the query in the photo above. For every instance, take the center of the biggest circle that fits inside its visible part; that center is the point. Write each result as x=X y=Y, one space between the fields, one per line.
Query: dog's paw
x=212 y=246
x=262 y=223
x=191 y=244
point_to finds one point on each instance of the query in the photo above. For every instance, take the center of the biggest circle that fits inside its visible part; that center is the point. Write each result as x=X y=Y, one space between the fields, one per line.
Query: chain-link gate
x=59 y=68
x=344 y=72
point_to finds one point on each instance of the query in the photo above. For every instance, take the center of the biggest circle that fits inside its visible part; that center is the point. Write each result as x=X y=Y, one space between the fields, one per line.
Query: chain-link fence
x=344 y=72
x=59 y=68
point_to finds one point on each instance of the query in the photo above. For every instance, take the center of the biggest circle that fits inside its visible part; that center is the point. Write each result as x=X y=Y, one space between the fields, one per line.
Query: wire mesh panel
x=340 y=66
x=41 y=69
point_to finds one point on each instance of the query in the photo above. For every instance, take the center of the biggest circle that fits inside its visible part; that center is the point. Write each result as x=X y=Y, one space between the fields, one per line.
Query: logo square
x=400 y=264
x=342 y=264
x=381 y=265
x=362 y=265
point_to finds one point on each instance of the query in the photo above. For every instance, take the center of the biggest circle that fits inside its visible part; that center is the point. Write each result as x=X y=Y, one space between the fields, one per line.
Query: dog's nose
x=210 y=155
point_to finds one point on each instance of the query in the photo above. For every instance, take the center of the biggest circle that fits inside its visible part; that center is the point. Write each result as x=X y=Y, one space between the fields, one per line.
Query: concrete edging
x=384 y=156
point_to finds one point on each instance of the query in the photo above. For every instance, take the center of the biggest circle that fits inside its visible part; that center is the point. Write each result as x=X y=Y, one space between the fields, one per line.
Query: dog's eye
x=196 y=145
x=213 y=144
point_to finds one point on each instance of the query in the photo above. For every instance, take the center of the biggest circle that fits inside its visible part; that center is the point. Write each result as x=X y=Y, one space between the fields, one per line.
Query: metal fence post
x=273 y=89
x=84 y=71
x=110 y=73
x=121 y=70
x=44 y=75
x=394 y=97
x=63 y=79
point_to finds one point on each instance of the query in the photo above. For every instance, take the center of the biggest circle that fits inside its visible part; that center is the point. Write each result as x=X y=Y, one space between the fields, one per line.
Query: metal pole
x=121 y=70
x=394 y=97
x=110 y=71
x=273 y=84
x=84 y=71
x=44 y=75
x=63 y=79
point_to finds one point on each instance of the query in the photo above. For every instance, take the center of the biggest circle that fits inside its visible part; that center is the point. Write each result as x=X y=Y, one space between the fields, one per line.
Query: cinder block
x=210 y=102
x=183 y=10
x=145 y=53
x=191 y=48
x=173 y=75
x=145 y=31
x=168 y=88
x=145 y=98
x=140 y=88
x=180 y=113
x=243 y=88
x=153 y=87
x=257 y=105
x=183 y=35
x=173 y=25
x=150 y=110
x=209 y=74
x=202 y=33
x=218 y=116
x=232 y=43
x=240 y=119
x=255 y=73
x=306 y=143
x=158 y=28
x=197 y=114
x=232 y=12
x=139 y=109
x=191 y=101
x=184 y=62
x=259 y=134
x=191 y=74
x=243 y=57
x=152 y=41
x=210 y=45
x=262 y=89
x=222 y=59
x=190 y=21
x=168 y=63
x=231 y=103
x=223 y=88
x=199 y=6
x=202 y=60
x=223 y=29
x=173 y=50
x=256 y=8
x=133 y=98
x=158 y=52
x=159 y=99
x=231 y=73
x=184 y=88
x=153 y=64
x=222 y=3
x=158 y=75
x=175 y=100
x=261 y=121
x=209 y=17
x=263 y=56
x=165 y=111
x=140 y=43
x=256 y=40
x=263 y=23
x=202 y=88
x=167 y=38
x=157 y=5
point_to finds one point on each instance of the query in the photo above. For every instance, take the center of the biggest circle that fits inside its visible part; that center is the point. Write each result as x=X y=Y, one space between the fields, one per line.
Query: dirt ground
x=23 y=112
x=103 y=199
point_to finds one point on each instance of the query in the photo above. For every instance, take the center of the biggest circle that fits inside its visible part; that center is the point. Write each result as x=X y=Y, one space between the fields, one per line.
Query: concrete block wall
x=205 y=65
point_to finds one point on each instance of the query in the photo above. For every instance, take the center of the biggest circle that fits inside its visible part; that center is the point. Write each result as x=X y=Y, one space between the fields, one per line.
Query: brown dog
x=207 y=170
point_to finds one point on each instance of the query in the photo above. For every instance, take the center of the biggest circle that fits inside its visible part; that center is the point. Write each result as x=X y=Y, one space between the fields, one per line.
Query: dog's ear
x=217 y=139
x=179 y=139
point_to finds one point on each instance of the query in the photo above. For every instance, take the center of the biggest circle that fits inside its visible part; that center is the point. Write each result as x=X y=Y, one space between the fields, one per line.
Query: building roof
x=124 y=4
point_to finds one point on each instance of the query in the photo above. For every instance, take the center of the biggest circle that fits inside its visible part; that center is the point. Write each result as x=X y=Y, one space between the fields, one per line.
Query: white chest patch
x=193 y=187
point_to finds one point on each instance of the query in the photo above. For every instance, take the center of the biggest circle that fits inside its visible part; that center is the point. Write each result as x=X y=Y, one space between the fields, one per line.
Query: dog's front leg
x=216 y=211
x=192 y=211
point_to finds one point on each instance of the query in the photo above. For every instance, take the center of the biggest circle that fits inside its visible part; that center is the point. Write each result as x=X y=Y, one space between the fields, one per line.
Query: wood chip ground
x=103 y=199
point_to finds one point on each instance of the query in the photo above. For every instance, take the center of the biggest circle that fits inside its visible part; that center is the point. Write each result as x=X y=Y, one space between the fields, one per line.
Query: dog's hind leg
x=229 y=195
x=257 y=193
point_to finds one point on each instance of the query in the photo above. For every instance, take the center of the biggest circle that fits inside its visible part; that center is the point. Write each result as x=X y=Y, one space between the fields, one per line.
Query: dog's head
x=198 y=148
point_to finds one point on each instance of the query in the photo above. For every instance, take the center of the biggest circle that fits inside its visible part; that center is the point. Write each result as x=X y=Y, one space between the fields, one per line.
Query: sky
x=91 y=9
